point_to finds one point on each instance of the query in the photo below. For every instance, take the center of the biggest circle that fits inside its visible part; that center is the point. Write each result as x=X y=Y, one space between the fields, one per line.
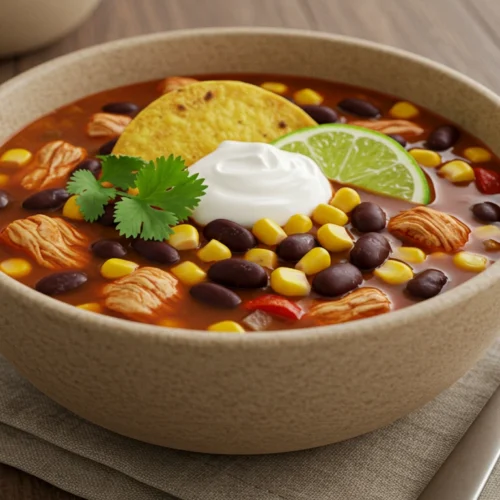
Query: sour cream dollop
x=248 y=181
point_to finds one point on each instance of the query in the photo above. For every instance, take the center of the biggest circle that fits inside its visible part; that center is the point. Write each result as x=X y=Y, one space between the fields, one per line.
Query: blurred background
x=461 y=33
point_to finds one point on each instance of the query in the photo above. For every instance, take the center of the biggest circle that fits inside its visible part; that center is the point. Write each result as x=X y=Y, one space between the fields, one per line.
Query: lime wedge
x=361 y=158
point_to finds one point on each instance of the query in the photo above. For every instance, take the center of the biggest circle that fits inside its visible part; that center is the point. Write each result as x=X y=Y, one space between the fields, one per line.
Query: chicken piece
x=107 y=124
x=50 y=241
x=53 y=164
x=143 y=294
x=174 y=82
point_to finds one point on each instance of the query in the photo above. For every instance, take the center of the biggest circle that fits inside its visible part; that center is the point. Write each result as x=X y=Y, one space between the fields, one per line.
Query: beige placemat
x=394 y=463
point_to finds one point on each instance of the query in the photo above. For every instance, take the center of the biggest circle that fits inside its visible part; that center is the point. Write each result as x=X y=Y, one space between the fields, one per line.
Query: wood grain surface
x=463 y=34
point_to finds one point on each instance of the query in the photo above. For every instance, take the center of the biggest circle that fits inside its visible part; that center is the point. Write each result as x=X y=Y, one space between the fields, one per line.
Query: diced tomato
x=487 y=181
x=274 y=304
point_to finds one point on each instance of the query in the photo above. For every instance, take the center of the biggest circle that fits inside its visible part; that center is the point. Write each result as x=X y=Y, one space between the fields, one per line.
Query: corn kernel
x=477 y=155
x=268 y=232
x=185 y=237
x=213 y=251
x=20 y=156
x=334 y=238
x=133 y=191
x=426 y=157
x=91 y=306
x=327 y=214
x=226 y=326
x=71 y=209
x=117 y=268
x=305 y=97
x=15 y=267
x=472 y=262
x=411 y=254
x=346 y=199
x=394 y=272
x=263 y=257
x=457 y=171
x=298 y=223
x=404 y=110
x=4 y=180
x=314 y=261
x=189 y=273
x=171 y=323
x=290 y=282
x=276 y=87
x=486 y=232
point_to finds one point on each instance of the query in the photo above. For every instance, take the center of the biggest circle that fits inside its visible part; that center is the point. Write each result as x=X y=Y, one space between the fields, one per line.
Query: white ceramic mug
x=30 y=24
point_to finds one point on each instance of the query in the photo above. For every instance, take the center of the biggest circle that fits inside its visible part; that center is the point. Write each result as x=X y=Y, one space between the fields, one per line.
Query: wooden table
x=463 y=34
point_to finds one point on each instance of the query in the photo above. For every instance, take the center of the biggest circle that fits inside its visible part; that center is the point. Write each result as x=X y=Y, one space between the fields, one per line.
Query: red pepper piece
x=487 y=181
x=274 y=304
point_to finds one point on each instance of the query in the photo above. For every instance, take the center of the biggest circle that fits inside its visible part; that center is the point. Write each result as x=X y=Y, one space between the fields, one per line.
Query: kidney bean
x=235 y=237
x=156 y=251
x=321 y=114
x=368 y=217
x=107 y=147
x=427 y=284
x=108 y=249
x=294 y=247
x=121 y=108
x=370 y=251
x=398 y=138
x=62 y=282
x=359 y=107
x=443 y=137
x=108 y=218
x=4 y=198
x=93 y=165
x=486 y=211
x=238 y=273
x=337 y=280
x=215 y=295
x=48 y=199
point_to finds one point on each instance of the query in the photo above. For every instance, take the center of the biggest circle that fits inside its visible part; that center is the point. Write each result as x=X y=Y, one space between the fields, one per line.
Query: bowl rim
x=363 y=327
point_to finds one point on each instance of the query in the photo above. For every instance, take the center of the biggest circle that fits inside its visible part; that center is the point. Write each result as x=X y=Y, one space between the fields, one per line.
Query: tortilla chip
x=192 y=121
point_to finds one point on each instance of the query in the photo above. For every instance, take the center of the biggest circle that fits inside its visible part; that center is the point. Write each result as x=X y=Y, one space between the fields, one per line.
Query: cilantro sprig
x=167 y=194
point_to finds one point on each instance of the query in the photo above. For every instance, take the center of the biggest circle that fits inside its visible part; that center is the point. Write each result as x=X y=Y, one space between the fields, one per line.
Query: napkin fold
x=395 y=463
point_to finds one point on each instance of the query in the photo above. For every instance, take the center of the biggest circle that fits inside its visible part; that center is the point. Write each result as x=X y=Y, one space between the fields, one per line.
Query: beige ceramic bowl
x=256 y=393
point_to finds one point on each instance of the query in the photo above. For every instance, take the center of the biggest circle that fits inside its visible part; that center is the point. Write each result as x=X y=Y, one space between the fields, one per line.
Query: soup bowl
x=264 y=392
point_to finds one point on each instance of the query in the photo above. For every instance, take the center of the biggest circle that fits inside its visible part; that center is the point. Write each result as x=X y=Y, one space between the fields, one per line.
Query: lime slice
x=362 y=158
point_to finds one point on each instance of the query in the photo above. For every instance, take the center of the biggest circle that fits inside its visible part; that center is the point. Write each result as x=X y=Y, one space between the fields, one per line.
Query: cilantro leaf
x=136 y=217
x=121 y=171
x=92 y=196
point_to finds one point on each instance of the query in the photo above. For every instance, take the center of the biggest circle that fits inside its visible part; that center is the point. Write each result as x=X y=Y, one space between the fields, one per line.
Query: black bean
x=370 y=251
x=93 y=165
x=4 y=198
x=368 y=217
x=156 y=251
x=443 y=137
x=108 y=218
x=337 y=280
x=121 y=108
x=215 y=295
x=486 y=211
x=294 y=247
x=107 y=147
x=359 y=107
x=48 y=199
x=427 y=284
x=62 y=282
x=108 y=249
x=238 y=273
x=398 y=138
x=321 y=114
x=235 y=237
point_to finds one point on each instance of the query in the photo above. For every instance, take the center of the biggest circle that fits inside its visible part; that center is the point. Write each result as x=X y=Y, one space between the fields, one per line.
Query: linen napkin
x=394 y=463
